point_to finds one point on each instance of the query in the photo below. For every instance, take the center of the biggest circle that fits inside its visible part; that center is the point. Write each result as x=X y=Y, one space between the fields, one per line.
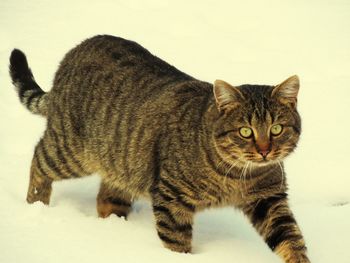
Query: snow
x=238 y=41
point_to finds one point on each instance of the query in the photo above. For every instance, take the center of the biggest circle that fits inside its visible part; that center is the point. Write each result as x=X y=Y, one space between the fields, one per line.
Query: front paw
x=292 y=253
x=301 y=258
x=178 y=247
x=183 y=246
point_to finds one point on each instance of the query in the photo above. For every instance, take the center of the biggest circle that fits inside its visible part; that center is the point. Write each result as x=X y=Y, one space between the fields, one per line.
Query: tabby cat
x=151 y=130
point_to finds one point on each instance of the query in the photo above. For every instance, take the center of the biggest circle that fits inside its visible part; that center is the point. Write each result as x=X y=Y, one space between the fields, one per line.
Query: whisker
x=245 y=176
x=250 y=175
x=222 y=162
x=231 y=167
x=282 y=173
x=228 y=170
x=250 y=170
x=242 y=176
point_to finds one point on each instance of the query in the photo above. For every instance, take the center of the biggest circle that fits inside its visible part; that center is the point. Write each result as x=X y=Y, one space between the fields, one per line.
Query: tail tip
x=18 y=59
x=19 y=69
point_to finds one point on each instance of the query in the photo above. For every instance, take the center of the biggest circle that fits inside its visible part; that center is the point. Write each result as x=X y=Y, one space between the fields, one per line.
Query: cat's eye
x=276 y=129
x=245 y=132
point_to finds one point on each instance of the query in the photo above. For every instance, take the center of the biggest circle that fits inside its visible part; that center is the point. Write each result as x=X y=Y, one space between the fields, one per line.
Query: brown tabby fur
x=151 y=130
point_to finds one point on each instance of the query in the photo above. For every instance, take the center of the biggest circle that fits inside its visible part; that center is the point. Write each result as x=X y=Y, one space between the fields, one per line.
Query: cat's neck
x=212 y=158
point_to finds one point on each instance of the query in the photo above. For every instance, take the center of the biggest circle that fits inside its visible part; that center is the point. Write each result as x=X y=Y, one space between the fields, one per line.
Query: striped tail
x=29 y=92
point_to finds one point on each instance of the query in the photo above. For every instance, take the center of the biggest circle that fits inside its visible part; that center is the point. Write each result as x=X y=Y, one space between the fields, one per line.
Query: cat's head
x=257 y=123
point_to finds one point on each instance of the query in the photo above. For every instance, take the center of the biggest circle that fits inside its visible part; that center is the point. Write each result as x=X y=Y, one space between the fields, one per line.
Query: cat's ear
x=226 y=96
x=287 y=91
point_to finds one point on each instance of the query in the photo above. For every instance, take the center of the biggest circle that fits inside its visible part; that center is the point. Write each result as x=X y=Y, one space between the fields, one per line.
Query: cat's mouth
x=262 y=160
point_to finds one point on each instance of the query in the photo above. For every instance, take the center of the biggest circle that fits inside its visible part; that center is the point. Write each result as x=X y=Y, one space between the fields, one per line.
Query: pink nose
x=264 y=153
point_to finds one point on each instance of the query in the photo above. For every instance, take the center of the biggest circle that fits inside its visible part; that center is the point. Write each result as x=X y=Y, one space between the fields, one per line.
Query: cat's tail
x=29 y=92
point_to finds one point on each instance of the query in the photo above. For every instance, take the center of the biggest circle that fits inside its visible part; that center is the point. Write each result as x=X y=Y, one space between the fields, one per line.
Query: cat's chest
x=234 y=189
x=216 y=190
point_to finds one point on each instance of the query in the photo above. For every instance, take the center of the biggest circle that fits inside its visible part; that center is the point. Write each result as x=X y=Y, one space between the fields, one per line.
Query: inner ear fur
x=226 y=96
x=287 y=91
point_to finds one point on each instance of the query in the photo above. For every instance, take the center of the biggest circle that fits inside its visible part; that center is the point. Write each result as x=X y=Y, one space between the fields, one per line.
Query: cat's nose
x=264 y=152
x=263 y=147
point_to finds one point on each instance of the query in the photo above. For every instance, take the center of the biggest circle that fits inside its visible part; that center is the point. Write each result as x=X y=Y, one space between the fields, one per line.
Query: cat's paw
x=178 y=248
x=298 y=259
x=42 y=195
x=105 y=209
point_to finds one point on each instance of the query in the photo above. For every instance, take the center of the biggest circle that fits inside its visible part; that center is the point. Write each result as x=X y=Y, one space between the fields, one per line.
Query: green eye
x=246 y=132
x=276 y=129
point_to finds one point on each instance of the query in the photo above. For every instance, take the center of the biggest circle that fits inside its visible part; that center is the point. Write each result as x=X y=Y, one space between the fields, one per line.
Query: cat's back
x=113 y=57
x=106 y=49
x=106 y=80
x=106 y=70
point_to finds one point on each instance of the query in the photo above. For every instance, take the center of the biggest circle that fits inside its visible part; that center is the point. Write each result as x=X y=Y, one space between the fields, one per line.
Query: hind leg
x=113 y=201
x=53 y=160
x=40 y=186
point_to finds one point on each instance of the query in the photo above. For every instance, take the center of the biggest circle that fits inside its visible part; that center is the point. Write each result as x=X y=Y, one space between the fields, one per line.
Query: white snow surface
x=256 y=42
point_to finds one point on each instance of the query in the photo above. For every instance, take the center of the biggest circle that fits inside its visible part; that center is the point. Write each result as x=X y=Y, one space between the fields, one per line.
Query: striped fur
x=151 y=130
x=274 y=221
